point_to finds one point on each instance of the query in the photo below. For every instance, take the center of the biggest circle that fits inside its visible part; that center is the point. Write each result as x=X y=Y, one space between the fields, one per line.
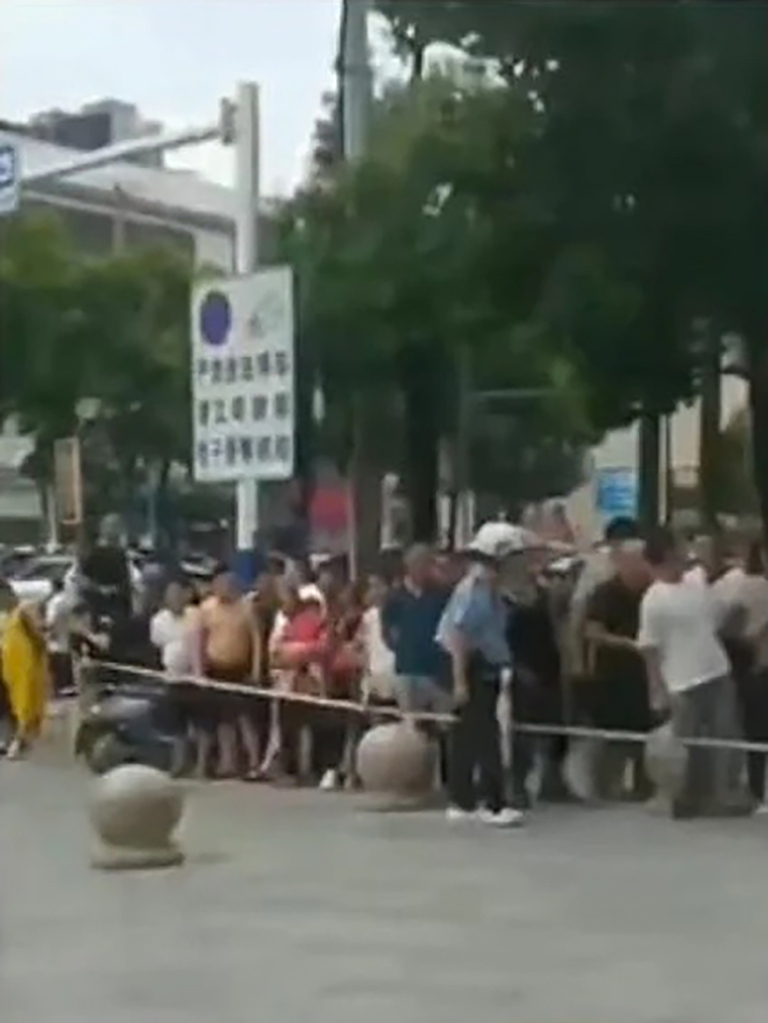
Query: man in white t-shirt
x=170 y=631
x=689 y=675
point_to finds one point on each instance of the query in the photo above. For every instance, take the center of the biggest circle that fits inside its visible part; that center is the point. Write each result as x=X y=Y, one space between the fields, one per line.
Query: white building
x=107 y=209
x=619 y=450
x=126 y=203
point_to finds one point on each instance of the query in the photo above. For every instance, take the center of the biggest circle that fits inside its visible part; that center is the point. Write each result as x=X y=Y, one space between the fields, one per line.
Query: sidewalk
x=299 y=907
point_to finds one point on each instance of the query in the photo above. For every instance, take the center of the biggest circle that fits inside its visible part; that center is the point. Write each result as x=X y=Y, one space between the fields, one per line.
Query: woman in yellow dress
x=24 y=670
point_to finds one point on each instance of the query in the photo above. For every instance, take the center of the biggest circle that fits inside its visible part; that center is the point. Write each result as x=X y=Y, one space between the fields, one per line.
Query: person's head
x=275 y=564
x=377 y=590
x=224 y=585
x=620 y=529
x=328 y=578
x=287 y=595
x=111 y=531
x=664 y=556
x=755 y=560
x=8 y=599
x=177 y=596
x=630 y=564
x=419 y=564
x=311 y=598
x=710 y=552
x=266 y=591
x=448 y=568
x=501 y=547
x=201 y=586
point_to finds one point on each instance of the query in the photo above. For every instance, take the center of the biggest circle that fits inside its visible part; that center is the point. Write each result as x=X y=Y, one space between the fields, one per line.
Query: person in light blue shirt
x=473 y=631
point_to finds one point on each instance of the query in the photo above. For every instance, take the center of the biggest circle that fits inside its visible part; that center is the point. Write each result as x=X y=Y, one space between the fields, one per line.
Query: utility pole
x=238 y=122
x=356 y=96
x=461 y=525
x=355 y=78
x=247 y=175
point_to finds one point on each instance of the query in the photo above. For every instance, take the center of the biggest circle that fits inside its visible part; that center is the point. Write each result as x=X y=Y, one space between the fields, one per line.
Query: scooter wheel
x=105 y=754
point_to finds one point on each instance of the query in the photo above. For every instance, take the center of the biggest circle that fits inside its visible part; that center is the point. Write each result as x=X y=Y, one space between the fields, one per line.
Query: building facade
x=109 y=209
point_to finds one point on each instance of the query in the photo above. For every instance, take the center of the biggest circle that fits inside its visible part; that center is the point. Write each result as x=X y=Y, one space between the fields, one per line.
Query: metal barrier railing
x=367 y=709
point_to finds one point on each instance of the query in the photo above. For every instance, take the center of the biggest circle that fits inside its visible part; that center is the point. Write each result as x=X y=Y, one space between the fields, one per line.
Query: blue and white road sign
x=9 y=176
x=617 y=492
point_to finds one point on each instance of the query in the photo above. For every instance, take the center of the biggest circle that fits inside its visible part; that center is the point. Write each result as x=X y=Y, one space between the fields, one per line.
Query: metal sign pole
x=246 y=262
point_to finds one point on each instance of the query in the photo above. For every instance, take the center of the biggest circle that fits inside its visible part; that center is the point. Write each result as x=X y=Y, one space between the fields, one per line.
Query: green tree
x=114 y=330
x=651 y=156
x=409 y=258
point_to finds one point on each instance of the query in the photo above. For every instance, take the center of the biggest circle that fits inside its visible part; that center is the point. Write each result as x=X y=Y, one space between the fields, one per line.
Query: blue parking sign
x=617 y=492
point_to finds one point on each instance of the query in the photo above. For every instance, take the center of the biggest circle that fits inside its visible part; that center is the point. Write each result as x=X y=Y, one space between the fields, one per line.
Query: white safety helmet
x=498 y=540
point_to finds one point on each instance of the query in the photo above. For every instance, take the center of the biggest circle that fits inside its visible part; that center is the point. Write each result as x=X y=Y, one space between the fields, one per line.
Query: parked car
x=35 y=581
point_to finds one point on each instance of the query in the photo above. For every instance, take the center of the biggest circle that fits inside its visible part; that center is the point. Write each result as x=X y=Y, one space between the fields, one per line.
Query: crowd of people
x=650 y=633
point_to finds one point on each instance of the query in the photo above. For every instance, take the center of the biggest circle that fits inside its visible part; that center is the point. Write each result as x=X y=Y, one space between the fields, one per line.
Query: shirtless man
x=229 y=651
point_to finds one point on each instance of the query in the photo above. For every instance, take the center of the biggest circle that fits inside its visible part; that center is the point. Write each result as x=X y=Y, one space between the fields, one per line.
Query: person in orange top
x=229 y=650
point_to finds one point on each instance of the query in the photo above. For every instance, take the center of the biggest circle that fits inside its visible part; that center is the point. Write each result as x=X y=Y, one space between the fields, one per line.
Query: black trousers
x=475 y=743
x=753 y=699
x=536 y=704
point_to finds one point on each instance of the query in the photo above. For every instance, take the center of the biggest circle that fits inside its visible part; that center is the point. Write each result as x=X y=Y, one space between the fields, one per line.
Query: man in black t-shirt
x=106 y=573
x=617 y=693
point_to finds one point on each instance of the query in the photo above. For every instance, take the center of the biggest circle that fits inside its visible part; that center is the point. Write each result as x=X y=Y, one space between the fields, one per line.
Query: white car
x=35 y=582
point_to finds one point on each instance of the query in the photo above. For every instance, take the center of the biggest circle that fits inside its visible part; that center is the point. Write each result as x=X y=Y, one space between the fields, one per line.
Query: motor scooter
x=133 y=722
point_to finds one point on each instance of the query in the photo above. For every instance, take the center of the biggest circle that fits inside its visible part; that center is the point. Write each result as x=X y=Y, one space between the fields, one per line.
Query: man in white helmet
x=473 y=631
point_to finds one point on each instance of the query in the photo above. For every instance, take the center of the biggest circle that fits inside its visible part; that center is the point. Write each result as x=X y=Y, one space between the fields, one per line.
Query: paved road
x=297 y=907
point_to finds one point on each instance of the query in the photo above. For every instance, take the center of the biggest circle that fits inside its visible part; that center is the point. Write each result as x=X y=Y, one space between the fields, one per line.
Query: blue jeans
x=417 y=693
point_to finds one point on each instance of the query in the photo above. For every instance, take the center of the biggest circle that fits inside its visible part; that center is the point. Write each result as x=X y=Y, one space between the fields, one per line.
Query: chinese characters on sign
x=243 y=378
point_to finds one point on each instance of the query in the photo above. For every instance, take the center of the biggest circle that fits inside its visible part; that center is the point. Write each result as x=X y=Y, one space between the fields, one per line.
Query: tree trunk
x=649 y=467
x=758 y=406
x=422 y=441
x=365 y=483
x=709 y=431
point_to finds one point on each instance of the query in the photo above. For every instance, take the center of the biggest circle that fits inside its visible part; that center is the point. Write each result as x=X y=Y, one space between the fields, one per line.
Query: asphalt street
x=308 y=907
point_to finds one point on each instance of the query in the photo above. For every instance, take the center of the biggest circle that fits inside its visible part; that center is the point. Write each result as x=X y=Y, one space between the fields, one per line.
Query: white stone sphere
x=396 y=759
x=580 y=768
x=666 y=761
x=136 y=807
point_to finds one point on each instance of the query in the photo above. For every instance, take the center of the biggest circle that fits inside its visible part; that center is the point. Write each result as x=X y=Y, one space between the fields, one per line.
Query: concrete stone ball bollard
x=397 y=760
x=135 y=811
x=580 y=768
x=666 y=762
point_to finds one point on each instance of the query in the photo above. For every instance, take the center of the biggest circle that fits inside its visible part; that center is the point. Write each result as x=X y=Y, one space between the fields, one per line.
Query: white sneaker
x=16 y=750
x=330 y=781
x=506 y=818
x=761 y=810
x=455 y=815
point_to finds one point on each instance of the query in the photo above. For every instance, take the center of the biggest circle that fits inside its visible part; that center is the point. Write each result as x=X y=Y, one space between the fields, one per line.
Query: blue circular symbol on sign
x=215 y=318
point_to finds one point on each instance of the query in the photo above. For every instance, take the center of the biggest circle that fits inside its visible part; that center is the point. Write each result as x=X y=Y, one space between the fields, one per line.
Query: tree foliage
x=427 y=248
x=114 y=330
x=651 y=155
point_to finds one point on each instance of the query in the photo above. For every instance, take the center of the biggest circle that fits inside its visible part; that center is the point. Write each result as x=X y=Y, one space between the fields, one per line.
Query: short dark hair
x=660 y=544
x=622 y=527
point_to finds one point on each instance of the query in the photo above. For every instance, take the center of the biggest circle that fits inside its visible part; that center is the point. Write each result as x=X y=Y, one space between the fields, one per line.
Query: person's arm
x=257 y=651
x=156 y=630
x=649 y=641
x=457 y=642
x=197 y=637
x=595 y=632
x=459 y=654
x=389 y=619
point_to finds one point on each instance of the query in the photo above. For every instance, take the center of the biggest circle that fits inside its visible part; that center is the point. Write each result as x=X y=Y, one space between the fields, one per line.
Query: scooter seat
x=118 y=709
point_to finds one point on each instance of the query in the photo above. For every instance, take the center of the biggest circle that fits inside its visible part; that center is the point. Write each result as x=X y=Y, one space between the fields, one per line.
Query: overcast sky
x=175 y=59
